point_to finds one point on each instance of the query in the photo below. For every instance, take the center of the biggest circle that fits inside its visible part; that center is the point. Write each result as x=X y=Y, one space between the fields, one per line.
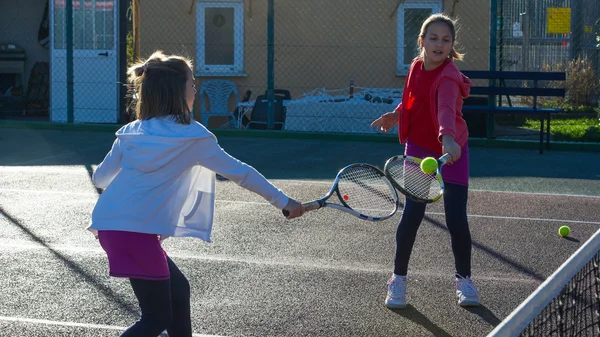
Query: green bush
x=581 y=85
x=560 y=103
x=130 y=51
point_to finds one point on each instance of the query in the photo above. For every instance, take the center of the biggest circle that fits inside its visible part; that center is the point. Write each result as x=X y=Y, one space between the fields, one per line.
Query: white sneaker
x=467 y=292
x=396 y=295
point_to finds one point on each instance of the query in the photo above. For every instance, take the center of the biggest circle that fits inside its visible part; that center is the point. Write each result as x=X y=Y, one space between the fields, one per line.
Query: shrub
x=130 y=49
x=581 y=84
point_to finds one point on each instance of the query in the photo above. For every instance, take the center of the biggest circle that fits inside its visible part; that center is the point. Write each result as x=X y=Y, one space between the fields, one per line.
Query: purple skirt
x=455 y=173
x=134 y=255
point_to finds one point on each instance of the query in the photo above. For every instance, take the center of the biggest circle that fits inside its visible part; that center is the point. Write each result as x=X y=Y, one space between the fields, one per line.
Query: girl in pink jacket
x=430 y=123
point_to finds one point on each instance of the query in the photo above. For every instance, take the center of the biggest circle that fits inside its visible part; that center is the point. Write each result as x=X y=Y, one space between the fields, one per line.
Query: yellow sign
x=559 y=21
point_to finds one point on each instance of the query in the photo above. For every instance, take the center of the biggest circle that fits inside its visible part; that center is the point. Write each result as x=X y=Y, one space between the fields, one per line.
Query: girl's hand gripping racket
x=363 y=191
x=406 y=175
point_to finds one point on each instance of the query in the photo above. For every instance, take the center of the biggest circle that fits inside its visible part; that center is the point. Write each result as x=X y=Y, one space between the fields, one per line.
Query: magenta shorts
x=134 y=255
x=455 y=173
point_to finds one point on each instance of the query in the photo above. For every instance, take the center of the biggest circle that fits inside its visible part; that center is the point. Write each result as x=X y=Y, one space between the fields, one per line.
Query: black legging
x=164 y=304
x=455 y=205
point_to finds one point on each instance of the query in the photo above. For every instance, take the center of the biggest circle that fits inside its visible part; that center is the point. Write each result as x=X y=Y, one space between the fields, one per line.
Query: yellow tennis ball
x=429 y=165
x=564 y=231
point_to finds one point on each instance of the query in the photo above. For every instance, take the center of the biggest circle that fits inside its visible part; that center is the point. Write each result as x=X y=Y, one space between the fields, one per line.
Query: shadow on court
x=93 y=280
x=515 y=265
x=486 y=314
x=411 y=313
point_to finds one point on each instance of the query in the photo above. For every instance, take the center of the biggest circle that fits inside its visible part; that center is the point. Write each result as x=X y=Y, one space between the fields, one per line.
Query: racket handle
x=443 y=159
x=309 y=206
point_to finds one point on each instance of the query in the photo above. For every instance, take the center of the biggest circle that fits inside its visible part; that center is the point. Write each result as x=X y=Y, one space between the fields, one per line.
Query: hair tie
x=144 y=68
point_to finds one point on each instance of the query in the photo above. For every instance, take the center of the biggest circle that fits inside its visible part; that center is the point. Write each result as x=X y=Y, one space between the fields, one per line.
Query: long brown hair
x=443 y=19
x=159 y=87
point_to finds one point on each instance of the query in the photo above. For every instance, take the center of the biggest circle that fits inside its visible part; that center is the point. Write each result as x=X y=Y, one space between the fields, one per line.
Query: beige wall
x=167 y=25
x=19 y=23
x=324 y=43
x=317 y=43
x=473 y=31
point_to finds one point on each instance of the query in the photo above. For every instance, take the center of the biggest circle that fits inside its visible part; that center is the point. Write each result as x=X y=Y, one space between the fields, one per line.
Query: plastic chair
x=240 y=112
x=218 y=93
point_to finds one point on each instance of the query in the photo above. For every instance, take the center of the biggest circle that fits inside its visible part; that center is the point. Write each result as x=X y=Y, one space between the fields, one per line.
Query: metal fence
x=342 y=62
x=534 y=35
x=334 y=65
x=553 y=35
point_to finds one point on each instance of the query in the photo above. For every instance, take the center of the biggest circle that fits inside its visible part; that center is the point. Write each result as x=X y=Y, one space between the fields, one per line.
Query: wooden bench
x=497 y=87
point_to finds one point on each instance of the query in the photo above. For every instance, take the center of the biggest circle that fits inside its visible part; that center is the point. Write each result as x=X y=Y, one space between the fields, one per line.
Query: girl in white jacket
x=159 y=181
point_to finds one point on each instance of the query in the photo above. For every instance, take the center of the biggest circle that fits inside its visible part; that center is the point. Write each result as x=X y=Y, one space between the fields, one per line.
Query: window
x=411 y=14
x=220 y=38
x=93 y=25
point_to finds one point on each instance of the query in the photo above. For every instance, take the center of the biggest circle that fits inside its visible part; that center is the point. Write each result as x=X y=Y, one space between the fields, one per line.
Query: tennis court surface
x=324 y=274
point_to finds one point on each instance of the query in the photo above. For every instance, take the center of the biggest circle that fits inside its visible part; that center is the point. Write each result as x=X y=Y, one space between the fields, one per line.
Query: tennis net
x=566 y=304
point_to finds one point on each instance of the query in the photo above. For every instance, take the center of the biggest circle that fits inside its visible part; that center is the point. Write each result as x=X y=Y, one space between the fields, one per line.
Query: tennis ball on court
x=429 y=165
x=564 y=231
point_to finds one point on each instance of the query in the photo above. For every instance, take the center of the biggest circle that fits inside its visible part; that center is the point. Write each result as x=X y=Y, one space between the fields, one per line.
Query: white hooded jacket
x=159 y=178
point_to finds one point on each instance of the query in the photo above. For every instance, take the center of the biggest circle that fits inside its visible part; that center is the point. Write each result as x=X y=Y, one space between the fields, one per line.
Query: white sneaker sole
x=395 y=305
x=469 y=303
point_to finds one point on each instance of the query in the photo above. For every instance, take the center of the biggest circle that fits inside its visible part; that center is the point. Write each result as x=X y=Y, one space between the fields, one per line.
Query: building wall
x=473 y=31
x=317 y=43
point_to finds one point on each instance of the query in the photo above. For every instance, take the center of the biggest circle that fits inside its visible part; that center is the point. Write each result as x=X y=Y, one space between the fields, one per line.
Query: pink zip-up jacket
x=446 y=94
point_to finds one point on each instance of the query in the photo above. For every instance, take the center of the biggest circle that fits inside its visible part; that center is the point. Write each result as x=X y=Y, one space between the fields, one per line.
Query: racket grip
x=309 y=206
x=443 y=159
x=313 y=205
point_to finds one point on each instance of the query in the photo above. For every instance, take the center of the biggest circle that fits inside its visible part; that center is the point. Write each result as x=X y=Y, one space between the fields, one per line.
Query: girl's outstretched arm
x=387 y=120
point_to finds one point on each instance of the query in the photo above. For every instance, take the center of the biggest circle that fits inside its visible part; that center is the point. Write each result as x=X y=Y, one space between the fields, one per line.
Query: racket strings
x=409 y=176
x=367 y=191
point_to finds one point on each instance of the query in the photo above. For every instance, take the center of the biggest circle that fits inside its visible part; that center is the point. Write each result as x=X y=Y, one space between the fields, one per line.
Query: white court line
x=329 y=182
x=499 y=217
x=539 y=193
x=44 y=158
x=60 y=155
x=84 y=170
x=44 y=169
x=17 y=190
x=75 y=324
x=304 y=264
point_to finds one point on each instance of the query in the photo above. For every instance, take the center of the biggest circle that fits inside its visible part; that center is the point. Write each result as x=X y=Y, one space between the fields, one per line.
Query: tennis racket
x=406 y=175
x=363 y=190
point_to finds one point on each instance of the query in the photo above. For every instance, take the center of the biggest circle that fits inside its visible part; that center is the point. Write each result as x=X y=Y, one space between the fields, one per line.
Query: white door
x=95 y=61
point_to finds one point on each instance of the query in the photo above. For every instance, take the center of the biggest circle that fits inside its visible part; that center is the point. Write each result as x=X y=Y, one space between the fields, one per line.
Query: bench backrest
x=499 y=87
